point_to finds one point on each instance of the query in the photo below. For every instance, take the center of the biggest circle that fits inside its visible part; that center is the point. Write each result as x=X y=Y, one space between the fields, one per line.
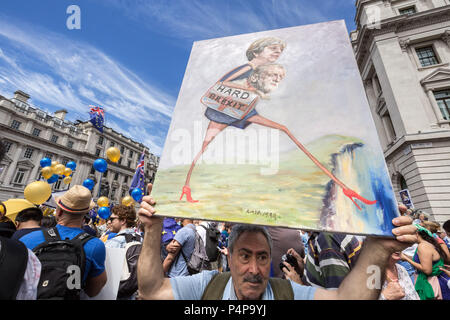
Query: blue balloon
x=88 y=183
x=53 y=179
x=46 y=162
x=100 y=165
x=104 y=212
x=136 y=194
x=71 y=165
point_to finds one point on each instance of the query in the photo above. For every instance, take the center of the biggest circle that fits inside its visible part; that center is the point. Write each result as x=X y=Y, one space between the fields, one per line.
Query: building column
x=13 y=166
x=33 y=174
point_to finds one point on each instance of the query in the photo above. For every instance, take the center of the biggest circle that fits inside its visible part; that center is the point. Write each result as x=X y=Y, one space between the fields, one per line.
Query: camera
x=289 y=258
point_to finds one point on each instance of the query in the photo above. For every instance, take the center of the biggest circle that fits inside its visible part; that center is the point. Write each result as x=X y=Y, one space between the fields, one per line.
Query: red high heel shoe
x=187 y=191
x=352 y=194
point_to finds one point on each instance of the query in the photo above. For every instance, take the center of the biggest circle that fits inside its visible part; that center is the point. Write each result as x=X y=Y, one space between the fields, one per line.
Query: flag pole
x=103 y=156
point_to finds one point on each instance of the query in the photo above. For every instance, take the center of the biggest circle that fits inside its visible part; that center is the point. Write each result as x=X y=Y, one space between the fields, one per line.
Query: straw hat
x=77 y=199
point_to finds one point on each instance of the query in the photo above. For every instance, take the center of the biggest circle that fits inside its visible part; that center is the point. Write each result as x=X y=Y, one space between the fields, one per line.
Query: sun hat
x=77 y=199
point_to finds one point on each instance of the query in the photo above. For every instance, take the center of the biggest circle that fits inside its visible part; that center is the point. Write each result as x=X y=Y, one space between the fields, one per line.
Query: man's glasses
x=111 y=219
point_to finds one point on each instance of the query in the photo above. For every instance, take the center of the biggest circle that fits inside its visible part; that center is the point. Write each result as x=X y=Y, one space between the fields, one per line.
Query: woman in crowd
x=398 y=284
x=434 y=227
x=431 y=282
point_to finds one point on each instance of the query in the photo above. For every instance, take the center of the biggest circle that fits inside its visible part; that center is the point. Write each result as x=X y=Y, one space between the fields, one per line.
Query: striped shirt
x=330 y=258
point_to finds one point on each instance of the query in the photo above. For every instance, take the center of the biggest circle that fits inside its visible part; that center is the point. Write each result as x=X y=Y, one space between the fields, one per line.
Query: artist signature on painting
x=267 y=214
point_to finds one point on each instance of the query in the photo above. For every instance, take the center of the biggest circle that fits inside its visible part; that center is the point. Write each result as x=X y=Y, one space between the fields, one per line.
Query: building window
x=123 y=193
x=36 y=132
x=443 y=101
x=129 y=163
x=54 y=139
x=100 y=140
x=28 y=153
x=389 y=127
x=131 y=154
x=116 y=176
x=403 y=184
x=19 y=176
x=105 y=174
x=15 y=124
x=92 y=170
x=125 y=180
x=111 y=144
x=49 y=155
x=113 y=193
x=70 y=144
x=64 y=161
x=408 y=10
x=122 y=149
x=97 y=152
x=427 y=56
x=57 y=122
x=40 y=115
x=7 y=145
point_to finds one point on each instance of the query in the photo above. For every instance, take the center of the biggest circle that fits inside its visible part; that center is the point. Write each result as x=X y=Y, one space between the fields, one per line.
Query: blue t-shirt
x=186 y=237
x=192 y=287
x=22 y=232
x=94 y=249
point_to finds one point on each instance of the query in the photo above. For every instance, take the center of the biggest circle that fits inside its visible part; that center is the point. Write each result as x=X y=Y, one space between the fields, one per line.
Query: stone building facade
x=402 y=48
x=31 y=134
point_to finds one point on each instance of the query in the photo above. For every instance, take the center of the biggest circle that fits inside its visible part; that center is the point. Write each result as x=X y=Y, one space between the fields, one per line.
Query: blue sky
x=129 y=55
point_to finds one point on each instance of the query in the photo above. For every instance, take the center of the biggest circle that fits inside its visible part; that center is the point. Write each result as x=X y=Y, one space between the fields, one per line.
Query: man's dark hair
x=446 y=226
x=48 y=222
x=28 y=214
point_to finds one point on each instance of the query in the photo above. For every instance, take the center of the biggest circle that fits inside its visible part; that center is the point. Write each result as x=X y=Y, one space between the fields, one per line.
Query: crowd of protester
x=314 y=259
x=62 y=256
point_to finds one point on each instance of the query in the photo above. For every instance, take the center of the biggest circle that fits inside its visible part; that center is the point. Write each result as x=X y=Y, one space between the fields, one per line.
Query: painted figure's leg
x=214 y=128
x=272 y=124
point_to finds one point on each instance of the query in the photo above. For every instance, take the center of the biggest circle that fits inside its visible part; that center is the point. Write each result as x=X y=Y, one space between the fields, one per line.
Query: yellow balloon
x=113 y=154
x=54 y=164
x=67 y=180
x=38 y=192
x=103 y=202
x=67 y=172
x=127 y=201
x=47 y=172
x=59 y=169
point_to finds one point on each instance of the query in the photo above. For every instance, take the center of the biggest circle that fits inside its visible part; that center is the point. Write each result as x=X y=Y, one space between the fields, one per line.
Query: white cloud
x=200 y=19
x=65 y=73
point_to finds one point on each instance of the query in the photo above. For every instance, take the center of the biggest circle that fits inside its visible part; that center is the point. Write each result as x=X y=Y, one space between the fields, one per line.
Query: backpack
x=128 y=281
x=212 y=242
x=13 y=264
x=281 y=288
x=59 y=280
x=199 y=260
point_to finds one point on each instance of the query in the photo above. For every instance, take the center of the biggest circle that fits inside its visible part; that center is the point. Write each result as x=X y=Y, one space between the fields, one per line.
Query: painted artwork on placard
x=274 y=128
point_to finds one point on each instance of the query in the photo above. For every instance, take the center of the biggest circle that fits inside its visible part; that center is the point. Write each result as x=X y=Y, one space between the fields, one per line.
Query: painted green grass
x=239 y=193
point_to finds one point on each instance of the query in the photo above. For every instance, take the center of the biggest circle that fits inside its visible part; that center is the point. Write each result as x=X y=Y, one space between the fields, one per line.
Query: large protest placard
x=274 y=128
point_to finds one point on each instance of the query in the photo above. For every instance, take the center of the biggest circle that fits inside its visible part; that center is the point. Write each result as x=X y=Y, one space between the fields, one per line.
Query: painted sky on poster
x=129 y=55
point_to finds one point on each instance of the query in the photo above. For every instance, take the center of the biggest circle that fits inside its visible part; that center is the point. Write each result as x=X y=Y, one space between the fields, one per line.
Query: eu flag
x=139 y=176
x=97 y=117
